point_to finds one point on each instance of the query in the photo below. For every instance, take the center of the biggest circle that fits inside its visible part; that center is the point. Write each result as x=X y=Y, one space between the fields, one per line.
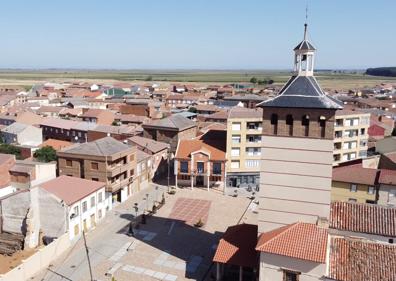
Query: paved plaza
x=168 y=247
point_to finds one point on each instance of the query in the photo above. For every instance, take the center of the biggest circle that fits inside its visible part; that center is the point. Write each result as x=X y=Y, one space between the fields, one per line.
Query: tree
x=10 y=149
x=45 y=154
x=192 y=109
x=253 y=80
x=115 y=123
x=149 y=78
x=270 y=81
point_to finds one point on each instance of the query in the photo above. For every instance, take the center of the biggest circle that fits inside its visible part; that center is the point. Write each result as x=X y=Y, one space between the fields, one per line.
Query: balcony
x=118 y=184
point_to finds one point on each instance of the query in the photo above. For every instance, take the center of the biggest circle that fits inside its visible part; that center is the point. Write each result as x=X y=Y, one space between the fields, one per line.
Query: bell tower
x=304 y=56
x=297 y=148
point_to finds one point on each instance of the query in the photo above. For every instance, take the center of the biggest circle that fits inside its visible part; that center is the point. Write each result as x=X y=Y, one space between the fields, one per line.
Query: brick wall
x=298 y=130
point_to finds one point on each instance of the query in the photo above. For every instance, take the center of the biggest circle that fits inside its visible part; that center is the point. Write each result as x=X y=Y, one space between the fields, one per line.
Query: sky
x=194 y=34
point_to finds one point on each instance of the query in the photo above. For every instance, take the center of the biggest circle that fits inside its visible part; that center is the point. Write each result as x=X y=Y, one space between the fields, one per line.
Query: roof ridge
x=287 y=228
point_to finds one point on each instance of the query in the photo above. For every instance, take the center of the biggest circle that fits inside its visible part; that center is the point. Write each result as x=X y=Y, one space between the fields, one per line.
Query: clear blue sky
x=205 y=34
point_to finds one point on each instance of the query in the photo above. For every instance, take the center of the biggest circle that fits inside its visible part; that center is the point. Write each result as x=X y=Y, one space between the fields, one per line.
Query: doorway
x=199 y=181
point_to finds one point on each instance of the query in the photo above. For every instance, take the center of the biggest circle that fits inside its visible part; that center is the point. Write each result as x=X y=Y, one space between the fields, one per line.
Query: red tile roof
x=237 y=246
x=299 y=240
x=56 y=144
x=355 y=174
x=363 y=218
x=354 y=260
x=71 y=189
x=387 y=177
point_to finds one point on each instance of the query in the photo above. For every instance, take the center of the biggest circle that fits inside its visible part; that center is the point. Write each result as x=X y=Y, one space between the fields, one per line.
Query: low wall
x=39 y=261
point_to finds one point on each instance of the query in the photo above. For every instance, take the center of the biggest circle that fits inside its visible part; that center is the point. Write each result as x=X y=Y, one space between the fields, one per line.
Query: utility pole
x=89 y=262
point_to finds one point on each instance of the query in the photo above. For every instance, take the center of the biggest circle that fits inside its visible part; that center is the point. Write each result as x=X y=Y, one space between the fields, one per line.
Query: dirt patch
x=9 y=262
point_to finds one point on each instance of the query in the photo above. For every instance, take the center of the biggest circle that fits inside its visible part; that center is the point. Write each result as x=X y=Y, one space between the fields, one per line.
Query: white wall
x=31 y=136
x=40 y=260
x=271 y=268
x=91 y=211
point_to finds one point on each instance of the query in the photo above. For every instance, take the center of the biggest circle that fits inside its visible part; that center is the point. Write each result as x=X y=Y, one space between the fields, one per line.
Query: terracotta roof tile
x=364 y=218
x=355 y=174
x=353 y=260
x=387 y=177
x=237 y=246
x=71 y=189
x=299 y=240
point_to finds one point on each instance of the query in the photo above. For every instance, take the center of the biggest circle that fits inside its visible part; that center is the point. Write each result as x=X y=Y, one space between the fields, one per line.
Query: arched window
x=305 y=124
x=322 y=125
x=274 y=123
x=289 y=123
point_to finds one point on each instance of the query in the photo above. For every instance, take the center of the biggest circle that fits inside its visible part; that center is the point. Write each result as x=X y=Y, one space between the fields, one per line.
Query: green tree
x=253 y=80
x=10 y=149
x=115 y=123
x=192 y=109
x=149 y=78
x=45 y=154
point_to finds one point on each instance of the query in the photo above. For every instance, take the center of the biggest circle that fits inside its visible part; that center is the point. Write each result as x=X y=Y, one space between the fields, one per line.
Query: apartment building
x=244 y=130
x=350 y=135
x=105 y=160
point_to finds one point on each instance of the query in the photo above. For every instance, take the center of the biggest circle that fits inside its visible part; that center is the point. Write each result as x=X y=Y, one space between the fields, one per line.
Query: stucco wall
x=271 y=268
x=295 y=181
x=14 y=211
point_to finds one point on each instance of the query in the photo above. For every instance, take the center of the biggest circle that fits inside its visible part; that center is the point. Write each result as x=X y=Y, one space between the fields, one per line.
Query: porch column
x=191 y=171
x=218 y=273
x=208 y=184
x=176 y=168
x=240 y=273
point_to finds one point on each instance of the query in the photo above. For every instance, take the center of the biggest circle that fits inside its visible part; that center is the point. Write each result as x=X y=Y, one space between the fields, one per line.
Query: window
x=274 y=123
x=94 y=166
x=100 y=197
x=236 y=139
x=217 y=168
x=234 y=164
x=305 y=124
x=252 y=163
x=352 y=200
x=253 y=151
x=235 y=151
x=253 y=138
x=84 y=206
x=254 y=126
x=236 y=126
x=353 y=188
x=92 y=201
x=370 y=190
x=100 y=214
x=390 y=240
x=184 y=167
x=95 y=179
x=75 y=211
x=69 y=163
x=200 y=167
x=362 y=131
x=290 y=275
x=289 y=122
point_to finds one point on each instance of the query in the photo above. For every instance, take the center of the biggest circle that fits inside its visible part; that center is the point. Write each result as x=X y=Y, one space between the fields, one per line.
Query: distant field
x=328 y=80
